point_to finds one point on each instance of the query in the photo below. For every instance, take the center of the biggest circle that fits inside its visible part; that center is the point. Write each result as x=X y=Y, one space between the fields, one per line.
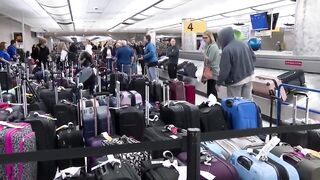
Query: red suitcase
x=177 y=91
x=190 y=91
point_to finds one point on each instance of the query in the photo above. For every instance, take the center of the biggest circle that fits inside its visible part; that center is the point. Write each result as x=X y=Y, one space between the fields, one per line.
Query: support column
x=153 y=36
x=307 y=28
x=23 y=34
x=189 y=39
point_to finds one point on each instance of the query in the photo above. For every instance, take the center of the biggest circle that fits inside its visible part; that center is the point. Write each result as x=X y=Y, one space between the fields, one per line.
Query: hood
x=225 y=36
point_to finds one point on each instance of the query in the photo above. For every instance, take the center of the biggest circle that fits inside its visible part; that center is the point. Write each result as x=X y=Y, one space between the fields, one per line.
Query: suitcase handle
x=295 y=107
x=101 y=94
x=291 y=157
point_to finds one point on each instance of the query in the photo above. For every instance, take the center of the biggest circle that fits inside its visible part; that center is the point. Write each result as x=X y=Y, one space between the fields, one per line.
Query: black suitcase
x=212 y=118
x=151 y=171
x=122 y=78
x=129 y=121
x=113 y=171
x=48 y=97
x=9 y=97
x=69 y=137
x=181 y=65
x=181 y=114
x=156 y=92
x=65 y=112
x=45 y=132
x=189 y=70
x=38 y=106
x=307 y=139
x=294 y=77
x=6 y=80
x=138 y=84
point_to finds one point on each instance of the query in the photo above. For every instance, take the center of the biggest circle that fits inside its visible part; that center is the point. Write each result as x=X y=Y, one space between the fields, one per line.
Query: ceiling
x=83 y=16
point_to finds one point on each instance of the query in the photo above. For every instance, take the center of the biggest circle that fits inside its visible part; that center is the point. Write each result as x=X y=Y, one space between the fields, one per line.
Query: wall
x=8 y=26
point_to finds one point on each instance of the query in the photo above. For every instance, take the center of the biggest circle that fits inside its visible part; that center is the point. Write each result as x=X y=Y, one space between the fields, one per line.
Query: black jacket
x=173 y=54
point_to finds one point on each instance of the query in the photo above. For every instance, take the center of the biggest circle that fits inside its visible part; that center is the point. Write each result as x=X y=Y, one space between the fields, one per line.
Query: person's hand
x=218 y=88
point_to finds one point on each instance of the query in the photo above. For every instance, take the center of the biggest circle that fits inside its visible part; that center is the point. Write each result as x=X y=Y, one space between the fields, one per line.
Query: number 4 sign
x=197 y=26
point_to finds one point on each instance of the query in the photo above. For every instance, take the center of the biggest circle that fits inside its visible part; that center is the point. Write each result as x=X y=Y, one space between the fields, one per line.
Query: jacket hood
x=225 y=36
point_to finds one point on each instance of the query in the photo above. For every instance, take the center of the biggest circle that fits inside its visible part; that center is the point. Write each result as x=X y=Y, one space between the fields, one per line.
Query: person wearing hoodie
x=237 y=65
x=212 y=60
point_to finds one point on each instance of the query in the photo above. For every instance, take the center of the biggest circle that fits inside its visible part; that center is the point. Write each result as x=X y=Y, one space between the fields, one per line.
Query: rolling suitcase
x=181 y=65
x=17 y=138
x=46 y=139
x=181 y=114
x=128 y=121
x=104 y=123
x=213 y=164
x=266 y=86
x=294 y=77
x=308 y=167
x=48 y=97
x=177 y=90
x=138 y=84
x=122 y=78
x=242 y=113
x=307 y=139
x=69 y=137
x=212 y=118
x=156 y=91
x=190 y=93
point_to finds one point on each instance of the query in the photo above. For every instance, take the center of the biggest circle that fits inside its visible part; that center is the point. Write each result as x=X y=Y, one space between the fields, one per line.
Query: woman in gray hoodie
x=212 y=60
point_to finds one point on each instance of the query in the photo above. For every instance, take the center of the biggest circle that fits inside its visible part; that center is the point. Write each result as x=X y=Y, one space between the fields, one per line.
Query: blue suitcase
x=250 y=168
x=242 y=113
x=88 y=119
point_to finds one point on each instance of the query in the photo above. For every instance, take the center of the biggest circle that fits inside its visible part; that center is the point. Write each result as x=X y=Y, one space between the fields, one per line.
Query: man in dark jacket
x=173 y=54
x=41 y=53
x=236 y=65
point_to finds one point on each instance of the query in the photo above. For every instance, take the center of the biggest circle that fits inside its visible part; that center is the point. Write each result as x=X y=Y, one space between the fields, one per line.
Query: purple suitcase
x=177 y=91
x=93 y=142
x=218 y=167
x=16 y=140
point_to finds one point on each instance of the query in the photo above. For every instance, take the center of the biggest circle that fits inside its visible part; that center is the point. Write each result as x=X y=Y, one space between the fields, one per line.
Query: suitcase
x=88 y=120
x=212 y=118
x=307 y=139
x=136 y=99
x=189 y=70
x=248 y=167
x=69 y=137
x=128 y=121
x=96 y=141
x=294 y=77
x=104 y=121
x=85 y=74
x=65 y=112
x=48 y=97
x=17 y=139
x=122 y=78
x=6 y=80
x=131 y=98
x=177 y=90
x=181 y=114
x=266 y=86
x=115 y=170
x=181 y=65
x=138 y=84
x=308 y=168
x=8 y=97
x=156 y=92
x=213 y=164
x=151 y=171
x=162 y=133
x=190 y=93
x=45 y=132
x=242 y=113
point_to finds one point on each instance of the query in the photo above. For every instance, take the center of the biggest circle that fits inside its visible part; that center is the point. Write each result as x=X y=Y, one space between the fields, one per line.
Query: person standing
x=12 y=50
x=140 y=52
x=173 y=54
x=124 y=58
x=107 y=54
x=72 y=54
x=62 y=49
x=211 y=62
x=41 y=53
x=3 y=53
x=88 y=47
x=237 y=65
x=150 y=58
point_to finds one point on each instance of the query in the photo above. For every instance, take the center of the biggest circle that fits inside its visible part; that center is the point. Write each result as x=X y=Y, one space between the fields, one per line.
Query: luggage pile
x=128 y=110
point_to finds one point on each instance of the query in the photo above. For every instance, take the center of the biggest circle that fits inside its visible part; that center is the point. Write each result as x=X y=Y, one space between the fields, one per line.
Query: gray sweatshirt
x=212 y=51
x=237 y=58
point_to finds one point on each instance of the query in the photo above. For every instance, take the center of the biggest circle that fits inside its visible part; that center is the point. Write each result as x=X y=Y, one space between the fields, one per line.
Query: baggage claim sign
x=196 y=26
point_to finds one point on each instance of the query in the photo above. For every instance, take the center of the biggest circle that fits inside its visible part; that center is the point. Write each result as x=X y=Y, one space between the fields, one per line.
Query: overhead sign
x=197 y=26
x=293 y=62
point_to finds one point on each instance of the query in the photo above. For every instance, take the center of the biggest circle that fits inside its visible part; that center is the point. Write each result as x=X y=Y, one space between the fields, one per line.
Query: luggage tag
x=106 y=136
x=212 y=100
x=68 y=173
x=113 y=161
x=263 y=154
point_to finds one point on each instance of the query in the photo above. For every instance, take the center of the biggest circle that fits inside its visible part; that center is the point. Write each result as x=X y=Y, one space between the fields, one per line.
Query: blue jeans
x=153 y=73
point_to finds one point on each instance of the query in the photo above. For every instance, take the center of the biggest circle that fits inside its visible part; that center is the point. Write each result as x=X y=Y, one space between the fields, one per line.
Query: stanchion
x=193 y=151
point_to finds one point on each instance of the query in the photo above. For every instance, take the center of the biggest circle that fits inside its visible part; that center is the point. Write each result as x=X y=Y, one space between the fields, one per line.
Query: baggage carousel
x=312 y=81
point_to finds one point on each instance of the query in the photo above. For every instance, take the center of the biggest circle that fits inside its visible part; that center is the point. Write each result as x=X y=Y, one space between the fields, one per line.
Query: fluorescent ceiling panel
x=213 y=18
x=169 y=4
x=60 y=10
x=130 y=21
x=152 y=11
x=53 y=3
x=237 y=13
x=139 y=16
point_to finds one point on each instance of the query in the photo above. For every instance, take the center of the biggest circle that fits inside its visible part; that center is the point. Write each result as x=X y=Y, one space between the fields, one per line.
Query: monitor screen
x=259 y=21
x=274 y=22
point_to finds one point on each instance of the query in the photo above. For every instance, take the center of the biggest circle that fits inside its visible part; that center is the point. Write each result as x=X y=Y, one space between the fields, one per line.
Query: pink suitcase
x=125 y=98
x=266 y=86
x=177 y=91
x=137 y=98
x=16 y=140
x=190 y=91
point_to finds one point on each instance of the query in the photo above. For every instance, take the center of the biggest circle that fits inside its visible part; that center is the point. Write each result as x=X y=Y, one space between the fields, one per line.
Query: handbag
x=207 y=72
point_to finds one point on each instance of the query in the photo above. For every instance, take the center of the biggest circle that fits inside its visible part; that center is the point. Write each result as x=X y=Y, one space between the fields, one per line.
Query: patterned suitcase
x=16 y=138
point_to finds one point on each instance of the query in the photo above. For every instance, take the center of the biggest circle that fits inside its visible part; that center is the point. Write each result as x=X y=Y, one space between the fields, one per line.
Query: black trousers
x=142 y=66
x=211 y=87
x=172 y=70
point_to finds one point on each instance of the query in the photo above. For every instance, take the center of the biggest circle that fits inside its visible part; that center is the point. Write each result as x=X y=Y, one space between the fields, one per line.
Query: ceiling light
x=57 y=10
x=212 y=18
x=170 y=4
x=130 y=21
x=139 y=17
x=151 y=11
